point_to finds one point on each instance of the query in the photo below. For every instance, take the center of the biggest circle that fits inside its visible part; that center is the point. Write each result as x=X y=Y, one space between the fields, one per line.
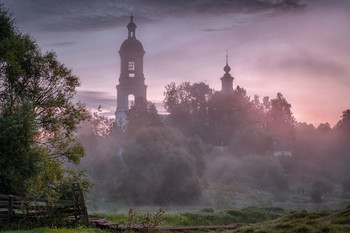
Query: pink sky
x=301 y=50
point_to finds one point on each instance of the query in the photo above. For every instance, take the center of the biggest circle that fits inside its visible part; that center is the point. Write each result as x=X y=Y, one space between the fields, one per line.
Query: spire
x=131 y=27
x=227 y=68
x=227 y=79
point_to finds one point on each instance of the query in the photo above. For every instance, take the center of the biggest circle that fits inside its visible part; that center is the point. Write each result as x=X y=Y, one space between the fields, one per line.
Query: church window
x=131 y=75
x=131 y=65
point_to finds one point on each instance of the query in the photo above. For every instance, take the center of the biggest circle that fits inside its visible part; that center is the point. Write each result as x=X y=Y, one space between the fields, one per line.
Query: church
x=132 y=79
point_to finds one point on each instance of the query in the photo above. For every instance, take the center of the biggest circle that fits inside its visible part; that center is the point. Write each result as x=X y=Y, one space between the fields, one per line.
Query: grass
x=252 y=219
x=208 y=216
x=59 y=230
x=304 y=222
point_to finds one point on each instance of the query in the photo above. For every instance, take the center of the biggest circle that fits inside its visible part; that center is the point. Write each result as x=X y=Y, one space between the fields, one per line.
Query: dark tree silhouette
x=36 y=99
x=188 y=107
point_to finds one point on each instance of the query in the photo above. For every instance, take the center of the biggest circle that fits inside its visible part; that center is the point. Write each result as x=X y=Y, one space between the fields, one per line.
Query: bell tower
x=131 y=80
x=227 y=79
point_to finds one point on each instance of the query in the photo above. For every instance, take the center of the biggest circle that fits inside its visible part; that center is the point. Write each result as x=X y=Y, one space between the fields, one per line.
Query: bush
x=319 y=190
x=346 y=186
x=159 y=168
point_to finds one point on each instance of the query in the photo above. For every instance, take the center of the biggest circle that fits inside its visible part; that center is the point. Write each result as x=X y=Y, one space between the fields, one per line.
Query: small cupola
x=131 y=27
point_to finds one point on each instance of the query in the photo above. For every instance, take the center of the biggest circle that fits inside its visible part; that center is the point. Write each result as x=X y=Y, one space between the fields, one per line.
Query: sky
x=299 y=48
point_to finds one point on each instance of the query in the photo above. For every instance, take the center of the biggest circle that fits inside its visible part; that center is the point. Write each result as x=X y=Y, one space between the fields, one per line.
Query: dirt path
x=105 y=224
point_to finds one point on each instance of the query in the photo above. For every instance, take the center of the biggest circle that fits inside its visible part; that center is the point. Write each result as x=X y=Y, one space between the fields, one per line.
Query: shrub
x=159 y=169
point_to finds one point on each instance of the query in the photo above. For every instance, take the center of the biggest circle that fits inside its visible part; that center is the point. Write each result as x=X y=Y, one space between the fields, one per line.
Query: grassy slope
x=302 y=221
x=208 y=216
x=251 y=219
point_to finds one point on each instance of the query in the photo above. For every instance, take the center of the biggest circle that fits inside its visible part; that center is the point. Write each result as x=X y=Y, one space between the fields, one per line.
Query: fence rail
x=16 y=209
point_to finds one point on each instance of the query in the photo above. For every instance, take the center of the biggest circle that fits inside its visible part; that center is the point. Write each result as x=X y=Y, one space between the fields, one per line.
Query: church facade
x=131 y=80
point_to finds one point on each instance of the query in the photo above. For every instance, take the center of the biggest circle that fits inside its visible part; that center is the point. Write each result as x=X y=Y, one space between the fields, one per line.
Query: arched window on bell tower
x=131 y=69
x=131 y=100
x=131 y=66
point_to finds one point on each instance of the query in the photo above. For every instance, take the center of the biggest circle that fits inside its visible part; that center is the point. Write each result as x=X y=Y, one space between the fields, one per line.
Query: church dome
x=131 y=45
x=227 y=68
x=131 y=26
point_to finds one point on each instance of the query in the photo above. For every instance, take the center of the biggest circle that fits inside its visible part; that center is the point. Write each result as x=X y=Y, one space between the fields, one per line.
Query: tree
x=42 y=89
x=188 y=107
x=16 y=136
x=141 y=114
x=228 y=115
x=103 y=141
x=344 y=124
x=280 y=120
x=159 y=168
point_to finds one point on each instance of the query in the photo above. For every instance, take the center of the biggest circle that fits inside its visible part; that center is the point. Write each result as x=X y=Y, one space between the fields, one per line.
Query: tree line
x=154 y=159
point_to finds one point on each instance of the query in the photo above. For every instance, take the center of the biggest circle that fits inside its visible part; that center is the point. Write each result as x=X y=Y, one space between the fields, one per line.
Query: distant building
x=131 y=80
x=282 y=147
x=227 y=79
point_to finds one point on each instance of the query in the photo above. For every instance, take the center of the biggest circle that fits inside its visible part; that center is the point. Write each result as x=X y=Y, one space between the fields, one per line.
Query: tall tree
x=188 y=107
x=344 y=124
x=42 y=87
x=228 y=114
x=142 y=114
x=280 y=119
x=160 y=168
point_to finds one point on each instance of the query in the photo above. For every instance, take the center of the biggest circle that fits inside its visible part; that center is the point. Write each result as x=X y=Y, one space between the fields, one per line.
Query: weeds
x=144 y=223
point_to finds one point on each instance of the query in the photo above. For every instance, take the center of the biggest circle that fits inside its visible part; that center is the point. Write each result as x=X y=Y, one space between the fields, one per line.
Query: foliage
x=251 y=141
x=17 y=134
x=302 y=221
x=188 y=107
x=256 y=172
x=277 y=220
x=142 y=113
x=80 y=229
x=159 y=168
x=144 y=222
x=344 y=124
x=210 y=216
x=36 y=103
x=228 y=114
x=346 y=186
x=280 y=119
x=320 y=189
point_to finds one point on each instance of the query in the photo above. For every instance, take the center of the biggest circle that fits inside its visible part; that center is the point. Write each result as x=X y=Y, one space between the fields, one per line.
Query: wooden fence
x=17 y=210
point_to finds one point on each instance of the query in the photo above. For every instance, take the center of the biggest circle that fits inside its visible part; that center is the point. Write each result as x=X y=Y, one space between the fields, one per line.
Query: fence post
x=74 y=197
x=10 y=209
x=83 y=205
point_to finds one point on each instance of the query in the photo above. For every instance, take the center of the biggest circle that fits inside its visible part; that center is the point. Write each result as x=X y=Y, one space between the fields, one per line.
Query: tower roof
x=227 y=68
x=131 y=44
x=227 y=79
x=132 y=26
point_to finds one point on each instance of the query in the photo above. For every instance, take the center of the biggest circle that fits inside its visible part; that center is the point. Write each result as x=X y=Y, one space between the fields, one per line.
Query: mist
x=253 y=154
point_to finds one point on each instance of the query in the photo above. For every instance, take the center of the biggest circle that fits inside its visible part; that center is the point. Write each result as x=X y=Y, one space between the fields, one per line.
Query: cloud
x=108 y=102
x=59 y=44
x=94 y=99
x=91 y=15
x=307 y=66
x=218 y=29
x=316 y=66
x=159 y=105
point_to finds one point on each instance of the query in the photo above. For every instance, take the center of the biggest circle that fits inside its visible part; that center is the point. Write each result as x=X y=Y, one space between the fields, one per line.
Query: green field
x=251 y=219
